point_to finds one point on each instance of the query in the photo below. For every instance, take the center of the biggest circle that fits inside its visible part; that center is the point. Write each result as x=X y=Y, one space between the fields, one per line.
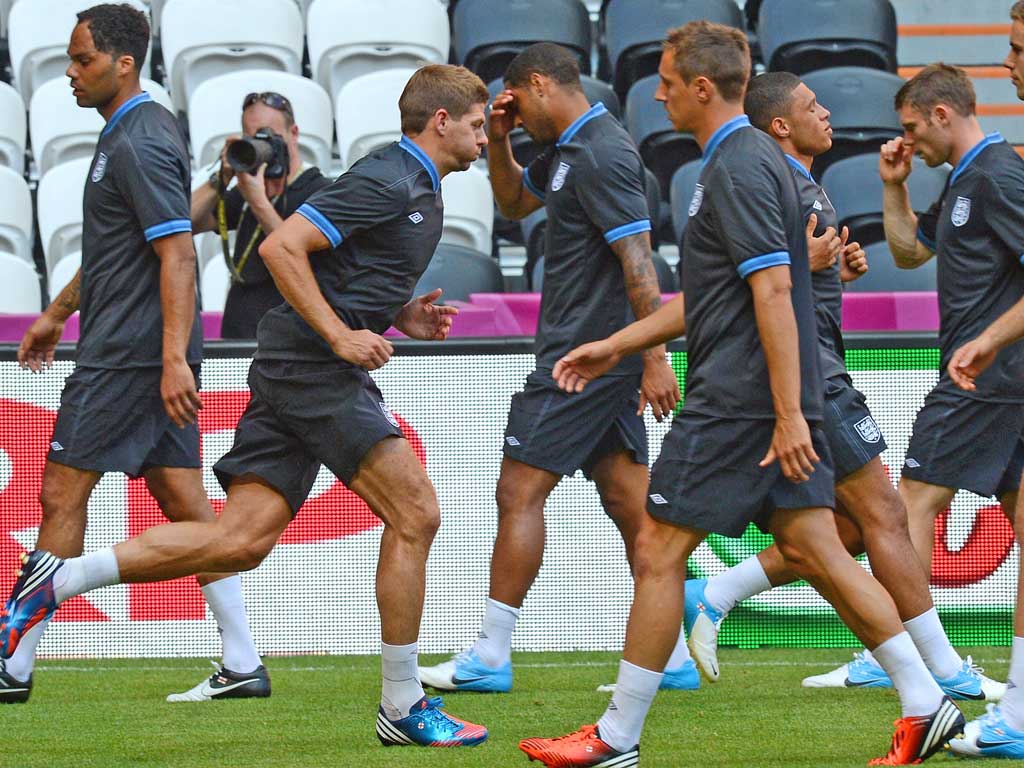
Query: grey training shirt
x=139 y=190
x=976 y=229
x=592 y=185
x=744 y=216
x=383 y=220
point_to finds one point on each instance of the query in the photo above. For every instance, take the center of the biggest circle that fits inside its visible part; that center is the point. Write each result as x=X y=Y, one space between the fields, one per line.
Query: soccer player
x=786 y=109
x=374 y=230
x=598 y=267
x=129 y=406
x=747 y=445
x=970 y=440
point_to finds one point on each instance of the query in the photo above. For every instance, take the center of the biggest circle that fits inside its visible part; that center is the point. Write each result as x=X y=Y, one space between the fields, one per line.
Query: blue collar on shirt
x=413 y=149
x=124 y=109
x=742 y=121
x=799 y=166
x=973 y=152
x=595 y=111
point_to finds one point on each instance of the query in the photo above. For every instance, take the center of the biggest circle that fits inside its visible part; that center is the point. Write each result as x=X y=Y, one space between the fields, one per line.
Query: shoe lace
x=585 y=733
x=434 y=715
x=971 y=667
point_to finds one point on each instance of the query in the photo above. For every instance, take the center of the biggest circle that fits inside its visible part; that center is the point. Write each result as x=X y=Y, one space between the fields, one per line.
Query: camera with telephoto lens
x=248 y=153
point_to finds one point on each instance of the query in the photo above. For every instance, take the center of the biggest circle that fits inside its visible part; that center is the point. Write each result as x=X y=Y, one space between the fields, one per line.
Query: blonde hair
x=439 y=86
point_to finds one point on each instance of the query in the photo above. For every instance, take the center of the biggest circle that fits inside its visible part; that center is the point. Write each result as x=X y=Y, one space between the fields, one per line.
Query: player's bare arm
x=177 y=302
x=588 y=361
x=513 y=199
x=975 y=356
x=286 y=254
x=898 y=218
x=40 y=340
x=423 y=319
x=659 y=385
x=776 y=325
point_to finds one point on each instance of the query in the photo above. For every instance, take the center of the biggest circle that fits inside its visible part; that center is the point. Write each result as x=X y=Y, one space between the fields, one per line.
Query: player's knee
x=801 y=560
x=56 y=503
x=419 y=520
x=250 y=552
x=652 y=560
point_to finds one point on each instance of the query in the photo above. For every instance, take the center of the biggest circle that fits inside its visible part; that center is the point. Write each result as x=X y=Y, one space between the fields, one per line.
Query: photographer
x=276 y=184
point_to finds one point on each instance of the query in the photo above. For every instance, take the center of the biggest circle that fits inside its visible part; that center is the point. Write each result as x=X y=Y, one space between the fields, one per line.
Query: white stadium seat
x=61 y=130
x=203 y=39
x=366 y=113
x=20 y=292
x=63 y=272
x=13 y=128
x=215 y=112
x=349 y=38
x=5 y=11
x=15 y=215
x=468 y=209
x=59 y=209
x=214 y=282
x=38 y=34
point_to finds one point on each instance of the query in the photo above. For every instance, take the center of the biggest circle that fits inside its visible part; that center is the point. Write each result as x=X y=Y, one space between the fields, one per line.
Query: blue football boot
x=990 y=736
x=32 y=599
x=969 y=683
x=466 y=672
x=427 y=725
x=702 y=624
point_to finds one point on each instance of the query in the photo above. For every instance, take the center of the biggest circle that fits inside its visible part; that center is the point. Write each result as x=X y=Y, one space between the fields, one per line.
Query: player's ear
x=780 y=127
x=941 y=114
x=125 y=65
x=441 y=121
x=703 y=88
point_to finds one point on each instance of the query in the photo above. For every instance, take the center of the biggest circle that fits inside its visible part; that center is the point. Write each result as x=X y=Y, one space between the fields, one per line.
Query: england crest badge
x=696 y=200
x=868 y=430
x=100 y=168
x=961 y=211
x=560 y=174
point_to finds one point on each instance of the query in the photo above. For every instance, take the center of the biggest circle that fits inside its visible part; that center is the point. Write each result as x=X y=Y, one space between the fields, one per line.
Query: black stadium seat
x=803 y=35
x=855 y=189
x=653 y=191
x=661 y=147
x=635 y=29
x=684 y=181
x=487 y=34
x=883 y=275
x=523 y=147
x=861 y=103
x=460 y=271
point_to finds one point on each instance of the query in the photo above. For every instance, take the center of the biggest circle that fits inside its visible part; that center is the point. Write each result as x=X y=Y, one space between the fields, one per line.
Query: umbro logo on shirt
x=416 y=218
x=817 y=205
x=912 y=463
x=55 y=446
x=657 y=498
x=511 y=440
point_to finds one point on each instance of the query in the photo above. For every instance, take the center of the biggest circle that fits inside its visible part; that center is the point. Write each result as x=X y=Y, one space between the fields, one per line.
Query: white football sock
x=743 y=580
x=930 y=639
x=401 y=684
x=623 y=722
x=23 y=661
x=919 y=693
x=680 y=654
x=1012 y=704
x=82 y=574
x=494 y=644
x=224 y=597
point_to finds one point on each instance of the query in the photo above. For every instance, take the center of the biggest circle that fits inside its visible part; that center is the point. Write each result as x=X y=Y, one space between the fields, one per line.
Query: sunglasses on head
x=272 y=100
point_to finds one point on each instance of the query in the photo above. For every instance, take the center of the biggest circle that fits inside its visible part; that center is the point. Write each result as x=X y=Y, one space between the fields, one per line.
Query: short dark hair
x=439 y=86
x=120 y=30
x=769 y=96
x=938 y=84
x=1017 y=11
x=547 y=59
x=715 y=51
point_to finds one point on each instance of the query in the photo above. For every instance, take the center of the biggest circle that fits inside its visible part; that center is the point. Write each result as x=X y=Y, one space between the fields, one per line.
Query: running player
x=786 y=109
x=961 y=440
x=748 y=433
x=313 y=402
x=597 y=268
x=128 y=406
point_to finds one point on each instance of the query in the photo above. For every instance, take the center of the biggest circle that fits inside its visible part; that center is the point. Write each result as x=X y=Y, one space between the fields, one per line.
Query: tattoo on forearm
x=69 y=297
x=634 y=251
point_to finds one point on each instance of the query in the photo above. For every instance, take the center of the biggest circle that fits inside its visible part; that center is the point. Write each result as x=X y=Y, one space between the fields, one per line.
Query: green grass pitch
x=111 y=713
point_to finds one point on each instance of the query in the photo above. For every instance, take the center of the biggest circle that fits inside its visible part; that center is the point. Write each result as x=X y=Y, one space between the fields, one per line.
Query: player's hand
x=178 y=391
x=364 y=348
x=792 y=447
x=853 y=262
x=40 y=340
x=584 y=364
x=227 y=173
x=970 y=360
x=659 y=387
x=422 y=319
x=501 y=117
x=823 y=251
x=895 y=161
